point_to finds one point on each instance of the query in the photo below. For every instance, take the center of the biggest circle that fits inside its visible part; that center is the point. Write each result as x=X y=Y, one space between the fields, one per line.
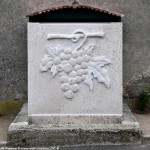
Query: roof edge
x=75 y=7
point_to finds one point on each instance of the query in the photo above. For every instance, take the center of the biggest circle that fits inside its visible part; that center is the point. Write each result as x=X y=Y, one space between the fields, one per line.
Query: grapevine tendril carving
x=75 y=66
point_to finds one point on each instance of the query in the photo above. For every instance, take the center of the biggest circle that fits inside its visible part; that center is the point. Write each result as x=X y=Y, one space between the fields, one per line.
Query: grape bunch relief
x=75 y=65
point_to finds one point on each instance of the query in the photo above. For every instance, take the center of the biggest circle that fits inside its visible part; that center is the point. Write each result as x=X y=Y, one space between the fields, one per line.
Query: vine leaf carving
x=88 y=80
x=101 y=75
x=90 y=49
x=105 y=75
x=51 y=52
x=54 y=70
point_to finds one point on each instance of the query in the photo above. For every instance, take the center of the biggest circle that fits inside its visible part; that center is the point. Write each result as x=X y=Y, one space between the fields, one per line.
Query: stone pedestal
x=23 y=134
x=74 y=88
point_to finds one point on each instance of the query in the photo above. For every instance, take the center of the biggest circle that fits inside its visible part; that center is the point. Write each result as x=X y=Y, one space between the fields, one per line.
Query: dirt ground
x=144 y=121
x=5 y=121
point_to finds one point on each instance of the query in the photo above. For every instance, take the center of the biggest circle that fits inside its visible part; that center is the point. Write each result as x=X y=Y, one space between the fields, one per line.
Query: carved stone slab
x=76 y=65
x=75 y=70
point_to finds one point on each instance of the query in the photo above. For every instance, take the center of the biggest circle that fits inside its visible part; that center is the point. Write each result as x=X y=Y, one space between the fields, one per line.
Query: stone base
x=73 y=120
x=22 y=134
x=2 y=143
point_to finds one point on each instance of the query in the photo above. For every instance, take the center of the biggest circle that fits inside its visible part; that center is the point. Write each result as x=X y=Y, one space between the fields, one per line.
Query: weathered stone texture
x=134 y=86
x=22 y=134
x=13 y=37
x=13 y=50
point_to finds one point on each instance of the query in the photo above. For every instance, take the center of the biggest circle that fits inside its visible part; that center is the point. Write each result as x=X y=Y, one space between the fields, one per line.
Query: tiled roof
x=76 y=7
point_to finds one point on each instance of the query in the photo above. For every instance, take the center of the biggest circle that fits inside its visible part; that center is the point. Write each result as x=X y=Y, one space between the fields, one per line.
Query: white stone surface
x=80 y=65
x=46 y=90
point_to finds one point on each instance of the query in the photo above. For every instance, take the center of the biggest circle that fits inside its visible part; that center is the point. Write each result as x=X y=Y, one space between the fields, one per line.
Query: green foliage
x=10 y=106
x=148 y=88
x=144 y=100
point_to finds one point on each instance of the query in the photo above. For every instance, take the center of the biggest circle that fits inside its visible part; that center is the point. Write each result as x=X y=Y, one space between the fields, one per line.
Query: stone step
x=146 y=139
x=22 y=134
x=3 y=143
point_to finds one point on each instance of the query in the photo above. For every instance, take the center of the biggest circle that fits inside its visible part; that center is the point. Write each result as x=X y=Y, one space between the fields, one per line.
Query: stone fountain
x=74 y=85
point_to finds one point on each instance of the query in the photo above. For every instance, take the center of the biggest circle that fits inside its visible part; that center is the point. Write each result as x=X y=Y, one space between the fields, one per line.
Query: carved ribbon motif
x=75 y=66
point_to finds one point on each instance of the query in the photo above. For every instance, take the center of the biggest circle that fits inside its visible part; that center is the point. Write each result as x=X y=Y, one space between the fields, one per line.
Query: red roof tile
x=75 y=7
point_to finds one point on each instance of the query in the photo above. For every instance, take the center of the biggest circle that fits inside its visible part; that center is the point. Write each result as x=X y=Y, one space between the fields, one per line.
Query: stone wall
x=13 y=41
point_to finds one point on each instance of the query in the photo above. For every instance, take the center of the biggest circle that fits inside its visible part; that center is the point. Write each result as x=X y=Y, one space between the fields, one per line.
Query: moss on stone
x=10 y=107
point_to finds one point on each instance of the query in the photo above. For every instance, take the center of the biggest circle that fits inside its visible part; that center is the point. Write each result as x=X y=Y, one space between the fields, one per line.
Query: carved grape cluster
x=75 y=66
x=72 y=65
